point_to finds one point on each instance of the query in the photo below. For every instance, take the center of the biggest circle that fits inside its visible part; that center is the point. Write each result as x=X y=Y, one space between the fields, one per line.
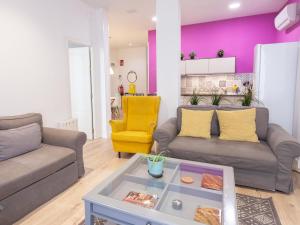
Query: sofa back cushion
x=262 y=118
x=10 y=122
x=17 y=141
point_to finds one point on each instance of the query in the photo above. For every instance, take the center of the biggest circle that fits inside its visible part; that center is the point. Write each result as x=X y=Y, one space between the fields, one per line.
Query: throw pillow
x=238 y=125
x=14 y=142
x=196 y=123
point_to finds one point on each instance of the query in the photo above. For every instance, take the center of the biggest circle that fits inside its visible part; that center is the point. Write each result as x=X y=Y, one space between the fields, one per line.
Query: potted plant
x=192 y=55
x=216 y=99
x=182 y=56
x=220 y=53
x=156 y=165
x=248 y=95
x=195 y=99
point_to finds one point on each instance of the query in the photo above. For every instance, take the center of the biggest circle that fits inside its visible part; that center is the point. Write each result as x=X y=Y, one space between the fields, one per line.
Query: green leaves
x=248 y=95
x=195 y=99
x=216 y=99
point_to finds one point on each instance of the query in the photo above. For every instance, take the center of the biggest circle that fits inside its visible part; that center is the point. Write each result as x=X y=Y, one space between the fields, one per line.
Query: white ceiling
x=130 y=20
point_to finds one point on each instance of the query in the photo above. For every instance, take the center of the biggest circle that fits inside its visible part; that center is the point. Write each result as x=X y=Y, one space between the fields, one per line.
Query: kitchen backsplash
x=221 y=84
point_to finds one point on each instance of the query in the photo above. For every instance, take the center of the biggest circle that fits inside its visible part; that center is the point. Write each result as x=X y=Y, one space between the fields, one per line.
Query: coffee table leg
x=88 y=214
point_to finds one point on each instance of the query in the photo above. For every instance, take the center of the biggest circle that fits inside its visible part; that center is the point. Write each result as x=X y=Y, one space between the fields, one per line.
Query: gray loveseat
x=31 y=179
x=265 y=165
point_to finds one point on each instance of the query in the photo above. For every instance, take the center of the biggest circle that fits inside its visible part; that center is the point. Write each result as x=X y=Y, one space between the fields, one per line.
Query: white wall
x=135 y=59
x=34 y=74
x=100 y=68
x=168 y=41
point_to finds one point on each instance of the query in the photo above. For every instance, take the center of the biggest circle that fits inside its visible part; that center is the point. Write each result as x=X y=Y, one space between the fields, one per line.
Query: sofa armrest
x=286 y=148
x=165 y=134
x=68 y=139
x=117 y=125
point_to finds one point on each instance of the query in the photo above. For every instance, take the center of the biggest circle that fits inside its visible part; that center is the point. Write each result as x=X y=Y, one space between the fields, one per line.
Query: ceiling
x=131 y=19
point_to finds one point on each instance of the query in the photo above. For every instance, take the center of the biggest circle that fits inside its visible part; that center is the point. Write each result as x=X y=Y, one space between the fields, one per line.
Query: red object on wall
x=122 y=62
x=121 y=90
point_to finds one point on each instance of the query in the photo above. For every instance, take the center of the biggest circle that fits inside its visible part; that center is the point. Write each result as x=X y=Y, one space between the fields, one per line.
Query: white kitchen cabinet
x=222 y=65
x=182 y=67
x=195 y=67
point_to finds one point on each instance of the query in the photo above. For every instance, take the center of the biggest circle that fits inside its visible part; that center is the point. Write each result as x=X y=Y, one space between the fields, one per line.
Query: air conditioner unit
x=289 y=16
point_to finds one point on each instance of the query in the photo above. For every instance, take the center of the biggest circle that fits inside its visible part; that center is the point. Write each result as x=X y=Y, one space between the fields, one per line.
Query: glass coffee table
x=188 y=193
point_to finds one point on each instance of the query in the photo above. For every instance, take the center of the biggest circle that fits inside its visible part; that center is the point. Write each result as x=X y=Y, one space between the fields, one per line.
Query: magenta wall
x=237 y=37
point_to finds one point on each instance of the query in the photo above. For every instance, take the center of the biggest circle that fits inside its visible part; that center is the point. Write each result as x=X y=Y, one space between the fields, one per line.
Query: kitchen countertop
x=223 y=95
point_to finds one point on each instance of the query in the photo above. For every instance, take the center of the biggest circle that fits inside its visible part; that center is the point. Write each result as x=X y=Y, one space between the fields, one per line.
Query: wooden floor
x=100 y=162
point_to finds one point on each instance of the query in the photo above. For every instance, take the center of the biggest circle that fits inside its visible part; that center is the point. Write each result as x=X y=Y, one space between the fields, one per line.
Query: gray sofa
x=265 y=165
x=31 y=179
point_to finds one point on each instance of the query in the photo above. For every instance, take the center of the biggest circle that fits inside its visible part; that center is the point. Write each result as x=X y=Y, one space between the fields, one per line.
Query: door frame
x=76 y=44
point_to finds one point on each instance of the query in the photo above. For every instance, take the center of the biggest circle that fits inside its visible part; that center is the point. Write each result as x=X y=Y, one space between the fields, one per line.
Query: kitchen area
x=211 y=78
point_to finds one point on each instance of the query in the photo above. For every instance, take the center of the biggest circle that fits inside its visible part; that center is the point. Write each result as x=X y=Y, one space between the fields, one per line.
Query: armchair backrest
x=262 y=118
x=140 y=112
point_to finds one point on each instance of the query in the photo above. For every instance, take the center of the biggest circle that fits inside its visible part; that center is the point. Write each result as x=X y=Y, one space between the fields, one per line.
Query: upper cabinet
x=197 y=66
x=222 y=65
x=208 y=66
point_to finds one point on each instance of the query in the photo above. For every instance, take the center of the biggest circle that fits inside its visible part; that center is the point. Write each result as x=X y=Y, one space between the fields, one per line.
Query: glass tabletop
x=189 y=191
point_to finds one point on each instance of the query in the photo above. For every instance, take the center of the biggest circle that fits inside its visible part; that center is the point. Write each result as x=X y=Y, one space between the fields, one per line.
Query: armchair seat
x=132 y=136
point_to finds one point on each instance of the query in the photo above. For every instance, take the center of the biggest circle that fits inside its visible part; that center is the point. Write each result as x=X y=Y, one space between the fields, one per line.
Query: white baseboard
x=296 y=164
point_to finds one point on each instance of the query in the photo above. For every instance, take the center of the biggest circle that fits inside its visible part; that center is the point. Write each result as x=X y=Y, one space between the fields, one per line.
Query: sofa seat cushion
x=242 y=155
x=21 y=171
x=132 y=136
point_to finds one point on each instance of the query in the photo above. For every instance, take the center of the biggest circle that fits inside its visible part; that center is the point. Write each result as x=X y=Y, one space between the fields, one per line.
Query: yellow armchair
x=134 y=134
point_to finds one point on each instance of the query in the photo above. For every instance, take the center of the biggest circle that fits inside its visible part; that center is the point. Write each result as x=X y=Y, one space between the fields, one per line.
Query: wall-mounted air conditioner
x=289 y=16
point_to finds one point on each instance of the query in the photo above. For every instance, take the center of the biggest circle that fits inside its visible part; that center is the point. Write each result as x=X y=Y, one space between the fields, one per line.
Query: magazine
x=212 y=182
x=144 y=200
x=208 y=216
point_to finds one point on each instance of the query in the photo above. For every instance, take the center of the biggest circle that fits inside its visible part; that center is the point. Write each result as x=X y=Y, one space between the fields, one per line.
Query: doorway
x=81 y=87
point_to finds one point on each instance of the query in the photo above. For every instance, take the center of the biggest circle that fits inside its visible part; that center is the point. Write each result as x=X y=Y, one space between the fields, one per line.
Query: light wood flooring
x=100 y=162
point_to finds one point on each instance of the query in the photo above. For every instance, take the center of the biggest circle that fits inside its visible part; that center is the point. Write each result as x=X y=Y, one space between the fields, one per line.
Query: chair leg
x=119 y=153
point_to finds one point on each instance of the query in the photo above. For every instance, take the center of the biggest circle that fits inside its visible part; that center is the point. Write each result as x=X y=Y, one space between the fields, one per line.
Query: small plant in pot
x=195 y=99
x=220 y=53
x=182 y=56
x=248 y=95
x=192 y=55
x=216 y=99
x=156 y=164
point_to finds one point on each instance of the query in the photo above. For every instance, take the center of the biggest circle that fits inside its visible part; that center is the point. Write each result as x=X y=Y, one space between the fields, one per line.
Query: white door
x=277 y=82
x=81 y=91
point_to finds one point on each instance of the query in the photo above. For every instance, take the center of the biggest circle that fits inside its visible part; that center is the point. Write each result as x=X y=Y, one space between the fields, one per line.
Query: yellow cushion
x=196 y=123
x=238 y=125
x=132 y=136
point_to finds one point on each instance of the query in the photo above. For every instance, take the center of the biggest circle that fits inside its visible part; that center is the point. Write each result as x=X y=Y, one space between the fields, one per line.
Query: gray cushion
x=10 y=122
x=262 y=118
x=17 y=141
x=21 y=171
x=243 y=155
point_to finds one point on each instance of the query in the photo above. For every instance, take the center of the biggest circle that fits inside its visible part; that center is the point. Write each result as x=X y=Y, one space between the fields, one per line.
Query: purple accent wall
x=237 y=37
